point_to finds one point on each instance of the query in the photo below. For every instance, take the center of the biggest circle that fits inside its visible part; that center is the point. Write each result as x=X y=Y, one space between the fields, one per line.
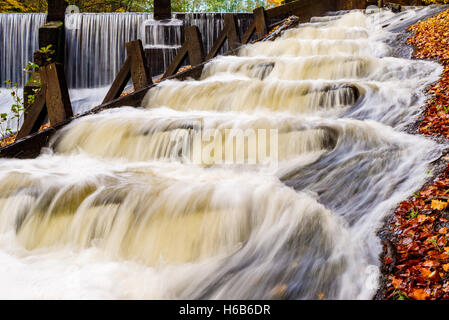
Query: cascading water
x=95 y=42
x=119 y=208
x=95 y=47
x=18 y=39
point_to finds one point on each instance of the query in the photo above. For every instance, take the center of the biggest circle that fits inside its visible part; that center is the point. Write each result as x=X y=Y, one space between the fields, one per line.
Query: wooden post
x=259 y=25
x=56 y=10
x=57 y=97
x=140 y=73
x=162 y=9
x=53 y=33
x=120 y=82
x=229 y=32
x=53 y=99
x=193 y=46
x=133 y=68
x=35 y=116
x=32 y=86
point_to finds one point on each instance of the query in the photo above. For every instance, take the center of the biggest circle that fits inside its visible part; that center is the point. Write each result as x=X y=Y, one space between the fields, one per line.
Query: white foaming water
x=115 y=209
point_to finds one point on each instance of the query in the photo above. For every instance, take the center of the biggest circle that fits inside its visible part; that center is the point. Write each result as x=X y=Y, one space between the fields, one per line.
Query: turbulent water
x=95 y=47
x=121 y=206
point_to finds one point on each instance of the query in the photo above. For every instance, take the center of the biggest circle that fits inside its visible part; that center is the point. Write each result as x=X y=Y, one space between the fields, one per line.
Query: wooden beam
x=305 y=9
x=261 y=22
x=31 y=88
x=193 y=46
x=58 y=103
x=120 y=81
x=53 y=33
x=177 y=61
x=247 y=35
x=259 y=25
x=229 y=32
x=52 y=99
x=35 y=115
x=140 y=73
x=234 y=40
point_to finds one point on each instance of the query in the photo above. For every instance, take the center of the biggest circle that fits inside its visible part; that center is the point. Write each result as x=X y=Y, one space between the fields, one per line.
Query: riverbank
x=415 y=262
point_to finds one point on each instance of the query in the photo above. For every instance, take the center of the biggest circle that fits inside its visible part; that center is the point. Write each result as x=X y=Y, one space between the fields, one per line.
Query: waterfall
x=19 y=40
x=267 y=178
x=95 y=42
x=95 y=45
x=211 y=24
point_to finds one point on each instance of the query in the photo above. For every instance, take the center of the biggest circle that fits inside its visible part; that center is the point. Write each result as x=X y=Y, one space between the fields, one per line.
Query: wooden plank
x=193 y=46
x=53 y=33
x=259 y=25
x=140 y=73
x=234 y=40
x=58 y=103
x=286 y=9
x=247 y=35
x=30 y=147
x=230 y=32
x=120 y=82
x=32 y=86
x=35 y=116
x=261 y=22
x=305 y=9
x=177 y=61
x=218 y=44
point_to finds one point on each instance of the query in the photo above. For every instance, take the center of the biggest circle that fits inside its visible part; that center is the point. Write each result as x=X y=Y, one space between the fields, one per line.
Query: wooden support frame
x=30 y=146
x=120 y=81
x=259 y=25
x=57 y=96
x=193 y=47
x=35 y=116
x=53 y=33
x=140 y=73
x=52 y=100
x=230 y=32
x=133 y=68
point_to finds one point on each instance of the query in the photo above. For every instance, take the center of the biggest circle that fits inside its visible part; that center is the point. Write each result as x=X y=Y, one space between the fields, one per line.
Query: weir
x=154 y=202
x=95 y=42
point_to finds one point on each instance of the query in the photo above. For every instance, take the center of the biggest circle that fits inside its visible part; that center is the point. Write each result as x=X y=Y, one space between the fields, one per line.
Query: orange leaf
x=419 y=294
x=396 y=282
x=425 y=272
x=438 y=205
